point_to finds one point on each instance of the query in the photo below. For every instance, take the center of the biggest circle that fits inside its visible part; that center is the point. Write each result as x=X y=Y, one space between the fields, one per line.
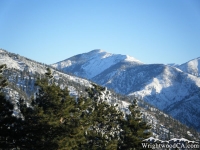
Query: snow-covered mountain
x=191 y=67
x=166 y=87
x=88 y=65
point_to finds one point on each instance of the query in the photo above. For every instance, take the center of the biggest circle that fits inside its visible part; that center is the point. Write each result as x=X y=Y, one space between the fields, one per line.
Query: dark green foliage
x=34 y=128
x=48 y=73
x=9 y=132
x=7 y=124
x=135 y=130
x=104 y=132
x=3 y=82
x=2 y=67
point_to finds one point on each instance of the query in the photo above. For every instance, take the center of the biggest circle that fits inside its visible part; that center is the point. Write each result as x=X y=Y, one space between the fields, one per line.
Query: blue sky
x=153 y=31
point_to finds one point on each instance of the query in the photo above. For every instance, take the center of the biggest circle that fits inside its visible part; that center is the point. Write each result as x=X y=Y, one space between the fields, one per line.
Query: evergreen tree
x=36 y=128
x=135 y=130
x=8 y=131
x=49 y=73
x=76 y=120
x=7 y=122
x=33 y=128
x=3 y=82
x=104 y=132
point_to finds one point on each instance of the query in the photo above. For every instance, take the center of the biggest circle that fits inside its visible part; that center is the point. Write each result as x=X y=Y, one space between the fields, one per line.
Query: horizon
x=153 y=32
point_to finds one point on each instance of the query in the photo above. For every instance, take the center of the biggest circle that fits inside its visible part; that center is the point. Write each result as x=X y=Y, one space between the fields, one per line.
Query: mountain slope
x=23 y=72
x=160 y=85
x=126 y=78
x=191 y=67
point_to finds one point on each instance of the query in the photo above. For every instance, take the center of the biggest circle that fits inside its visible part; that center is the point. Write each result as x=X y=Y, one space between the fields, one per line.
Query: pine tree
x=36 y=128
x=7 y=121
x=76 y=120
x=104 y=132
x=49 y=73
x=135 y=130
x=3 y=82
x=8 y=131
x=33 y=128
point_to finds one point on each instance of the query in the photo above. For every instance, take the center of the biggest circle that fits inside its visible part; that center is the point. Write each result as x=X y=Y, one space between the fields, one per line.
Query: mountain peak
x=97 y=50
x=90 y=64
x=191 y=67
x=105 y=54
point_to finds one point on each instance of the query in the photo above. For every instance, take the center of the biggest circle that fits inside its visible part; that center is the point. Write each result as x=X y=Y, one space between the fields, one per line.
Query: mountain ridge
x=88 y=62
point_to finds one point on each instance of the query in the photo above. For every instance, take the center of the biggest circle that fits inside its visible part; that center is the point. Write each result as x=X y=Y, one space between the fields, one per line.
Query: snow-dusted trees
x=3 y=82
x=105 y=129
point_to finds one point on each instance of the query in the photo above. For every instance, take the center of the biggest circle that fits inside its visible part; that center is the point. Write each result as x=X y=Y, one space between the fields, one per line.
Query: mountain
x=166 y=87
x=191 y=67
x=88 y=65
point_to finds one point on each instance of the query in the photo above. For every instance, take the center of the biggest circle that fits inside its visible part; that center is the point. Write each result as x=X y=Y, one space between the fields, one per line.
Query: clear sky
x=153 y=31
